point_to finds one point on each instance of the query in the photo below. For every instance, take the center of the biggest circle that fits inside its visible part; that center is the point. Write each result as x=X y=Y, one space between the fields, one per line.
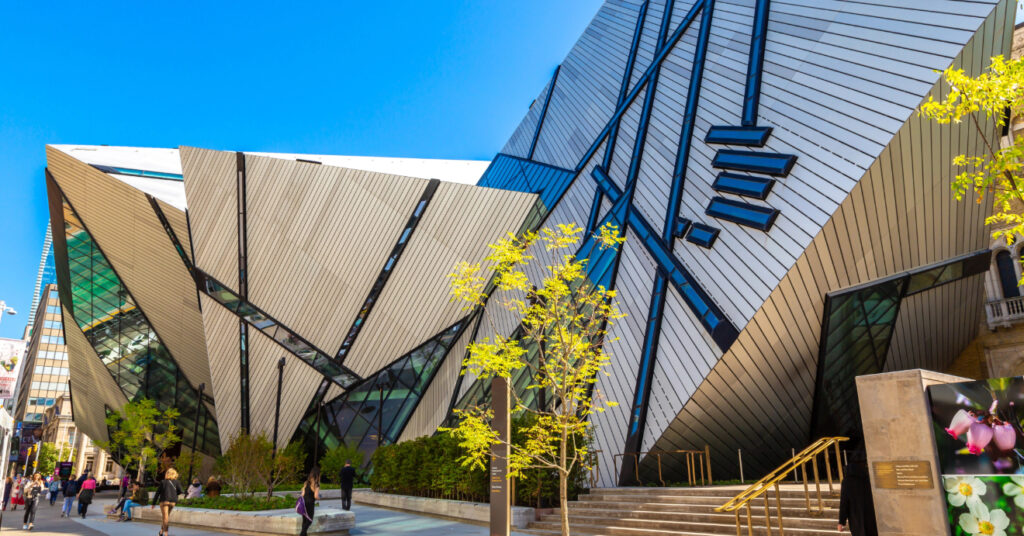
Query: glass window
x=769 y=163
x=754 y=216
x=756 y=187
x=702 y=235
x=1007 y=274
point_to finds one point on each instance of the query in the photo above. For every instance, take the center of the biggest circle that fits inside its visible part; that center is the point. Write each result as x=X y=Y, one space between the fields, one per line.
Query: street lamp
x=380 y=406
x=5 y=309
x=277 y=417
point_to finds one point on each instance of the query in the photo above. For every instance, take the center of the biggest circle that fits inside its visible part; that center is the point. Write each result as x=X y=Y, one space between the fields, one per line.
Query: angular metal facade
x=763 y=158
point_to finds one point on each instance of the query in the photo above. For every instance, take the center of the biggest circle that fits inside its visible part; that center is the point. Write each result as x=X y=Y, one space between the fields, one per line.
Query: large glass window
x=105 y=311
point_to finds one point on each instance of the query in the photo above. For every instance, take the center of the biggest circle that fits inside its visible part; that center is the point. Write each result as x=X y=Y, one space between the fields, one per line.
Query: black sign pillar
x=501 y=510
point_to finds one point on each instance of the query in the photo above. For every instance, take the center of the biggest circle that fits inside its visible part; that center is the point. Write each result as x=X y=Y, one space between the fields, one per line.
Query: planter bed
x=479 y=513
x=326 y=522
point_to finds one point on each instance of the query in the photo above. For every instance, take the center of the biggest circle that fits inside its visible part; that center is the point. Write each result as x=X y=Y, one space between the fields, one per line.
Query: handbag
x=300 y=508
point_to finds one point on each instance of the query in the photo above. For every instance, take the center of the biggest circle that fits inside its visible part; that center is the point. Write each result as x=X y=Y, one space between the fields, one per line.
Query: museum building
x=788 y=217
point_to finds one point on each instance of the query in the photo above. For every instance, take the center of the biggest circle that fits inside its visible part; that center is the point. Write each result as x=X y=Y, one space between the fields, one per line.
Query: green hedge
x=244 y=504
x=430 y=467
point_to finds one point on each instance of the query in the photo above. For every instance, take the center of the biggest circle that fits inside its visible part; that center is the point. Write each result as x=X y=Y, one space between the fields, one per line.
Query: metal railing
x=773 y=479
x=695 y=460
x=1005 y=312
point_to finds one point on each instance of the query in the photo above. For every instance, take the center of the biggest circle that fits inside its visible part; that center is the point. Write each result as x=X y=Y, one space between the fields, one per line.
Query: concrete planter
x=326 y=522
x=458 y=510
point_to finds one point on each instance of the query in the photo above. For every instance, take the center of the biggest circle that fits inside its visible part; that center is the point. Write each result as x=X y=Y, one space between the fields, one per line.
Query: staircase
x=686 y=512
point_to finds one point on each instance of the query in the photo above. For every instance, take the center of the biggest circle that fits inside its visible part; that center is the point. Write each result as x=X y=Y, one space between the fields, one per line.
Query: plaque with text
x=911 y=474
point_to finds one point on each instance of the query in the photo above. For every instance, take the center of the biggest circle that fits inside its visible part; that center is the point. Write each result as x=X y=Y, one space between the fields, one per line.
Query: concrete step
x=727 y=492
x=696 y=500
x=660 y=509
x=795 y=518
x=683 y=521
x=548 y=528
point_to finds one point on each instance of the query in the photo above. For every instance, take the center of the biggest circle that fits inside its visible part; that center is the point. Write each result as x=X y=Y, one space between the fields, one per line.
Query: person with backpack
x=53 y=489
x=70 y=490
x=310 y=494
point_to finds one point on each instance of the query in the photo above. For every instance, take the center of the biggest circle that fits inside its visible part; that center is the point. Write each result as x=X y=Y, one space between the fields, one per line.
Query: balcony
x=1005 y=312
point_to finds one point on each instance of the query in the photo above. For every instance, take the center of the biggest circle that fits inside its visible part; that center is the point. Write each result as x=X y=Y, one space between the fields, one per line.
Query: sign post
x=501 y=509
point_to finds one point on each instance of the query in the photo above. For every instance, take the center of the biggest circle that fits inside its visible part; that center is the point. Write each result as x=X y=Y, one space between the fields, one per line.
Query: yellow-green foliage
x=564 y=326
x=997 y=172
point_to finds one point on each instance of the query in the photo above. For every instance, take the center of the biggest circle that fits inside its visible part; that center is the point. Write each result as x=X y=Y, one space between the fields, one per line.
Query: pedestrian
x=8 y=484
x=53 y=489
x=70 y=490
x=139 y=497
x=195 y=490
x=167 y=496
x=309 y=495
x=126 y=482
x=856 y=507
x=33 y=488
x=16 y=497
x=348 y=477
x=81 y=480
x=212 y=487
x=85 y=495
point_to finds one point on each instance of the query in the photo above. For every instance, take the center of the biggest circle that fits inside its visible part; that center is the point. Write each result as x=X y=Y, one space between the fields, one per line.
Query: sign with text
x=64 y=470
x=914 y=474
x=501 y=505
x=11 y=352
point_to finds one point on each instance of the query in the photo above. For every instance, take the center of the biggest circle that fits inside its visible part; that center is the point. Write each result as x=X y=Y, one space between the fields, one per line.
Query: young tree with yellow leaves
x=559 y=344
x=988 y=100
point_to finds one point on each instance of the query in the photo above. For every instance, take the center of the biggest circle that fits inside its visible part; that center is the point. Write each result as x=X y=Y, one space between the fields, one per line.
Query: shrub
x=432 y=467
x=333 y=460
x=244 y=504
x=249 y=465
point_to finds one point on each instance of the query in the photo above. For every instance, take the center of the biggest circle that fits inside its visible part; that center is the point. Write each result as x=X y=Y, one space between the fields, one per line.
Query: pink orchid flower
x=960 y=423
x=978 y=437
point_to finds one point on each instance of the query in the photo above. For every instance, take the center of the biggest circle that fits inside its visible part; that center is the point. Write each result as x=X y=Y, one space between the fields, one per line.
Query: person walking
x=70 y=490
x=195 y=490
x=309 y=496
x=8 y=484
x=139 y=497
x=53 y=489
x=85 y=494
x=167 y=496
x=16 y=497
x=856 y=506
x=348 y=477
x=33 y=488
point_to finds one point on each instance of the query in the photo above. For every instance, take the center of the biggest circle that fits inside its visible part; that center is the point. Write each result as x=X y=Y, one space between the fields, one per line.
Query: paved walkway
x=369 y=522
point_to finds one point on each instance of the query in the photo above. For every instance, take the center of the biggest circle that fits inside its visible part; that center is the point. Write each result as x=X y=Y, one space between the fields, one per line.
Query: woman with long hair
x=31 y=492
x=309 y=496
x=167 y=496
x=86 y=491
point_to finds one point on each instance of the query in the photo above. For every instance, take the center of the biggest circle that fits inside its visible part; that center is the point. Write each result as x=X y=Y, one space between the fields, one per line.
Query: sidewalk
x=370 y=521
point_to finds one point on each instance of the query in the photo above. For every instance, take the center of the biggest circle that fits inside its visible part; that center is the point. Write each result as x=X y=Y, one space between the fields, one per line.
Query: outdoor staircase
x=643 y=511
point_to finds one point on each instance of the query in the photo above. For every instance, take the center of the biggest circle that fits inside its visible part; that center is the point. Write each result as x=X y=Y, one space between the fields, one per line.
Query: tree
x=188 y=463
x=987 y=101
x=140 y=433
x=559 y=345
x=50 y=454
x=240 y=463
x=283 y=468
x=334 y=459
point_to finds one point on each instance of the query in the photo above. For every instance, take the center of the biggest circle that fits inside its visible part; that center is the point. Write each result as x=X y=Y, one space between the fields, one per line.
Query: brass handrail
x=695 y=460
x=772 y=480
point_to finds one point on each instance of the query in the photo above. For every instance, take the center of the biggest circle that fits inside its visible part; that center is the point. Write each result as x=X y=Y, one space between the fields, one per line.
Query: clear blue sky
x=444 y=79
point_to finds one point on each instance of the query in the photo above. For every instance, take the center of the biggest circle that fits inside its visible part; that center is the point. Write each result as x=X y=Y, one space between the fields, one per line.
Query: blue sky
x=443 y=79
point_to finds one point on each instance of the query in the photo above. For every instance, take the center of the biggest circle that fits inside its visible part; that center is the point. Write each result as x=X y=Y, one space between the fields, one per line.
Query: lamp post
x=4 y=309
x=277 y=418
x=316 y=434
x=195 y=431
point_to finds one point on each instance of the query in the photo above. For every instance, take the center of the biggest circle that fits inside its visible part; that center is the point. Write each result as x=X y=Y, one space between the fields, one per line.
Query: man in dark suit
x=348 y=476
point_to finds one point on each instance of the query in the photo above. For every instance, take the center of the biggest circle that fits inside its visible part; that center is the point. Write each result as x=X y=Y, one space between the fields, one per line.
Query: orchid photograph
x=978 y=427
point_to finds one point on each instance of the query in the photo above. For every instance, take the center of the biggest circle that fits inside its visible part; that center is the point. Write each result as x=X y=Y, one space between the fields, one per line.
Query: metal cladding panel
x=318 y=237
x=519 y=143
x=93 y=388
x=636 y=279
x=899 y=215
x=123 y=223
x=459 y=224
x=299 y=384
x=211 y=183
x=433 y=407
x=221 y=327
